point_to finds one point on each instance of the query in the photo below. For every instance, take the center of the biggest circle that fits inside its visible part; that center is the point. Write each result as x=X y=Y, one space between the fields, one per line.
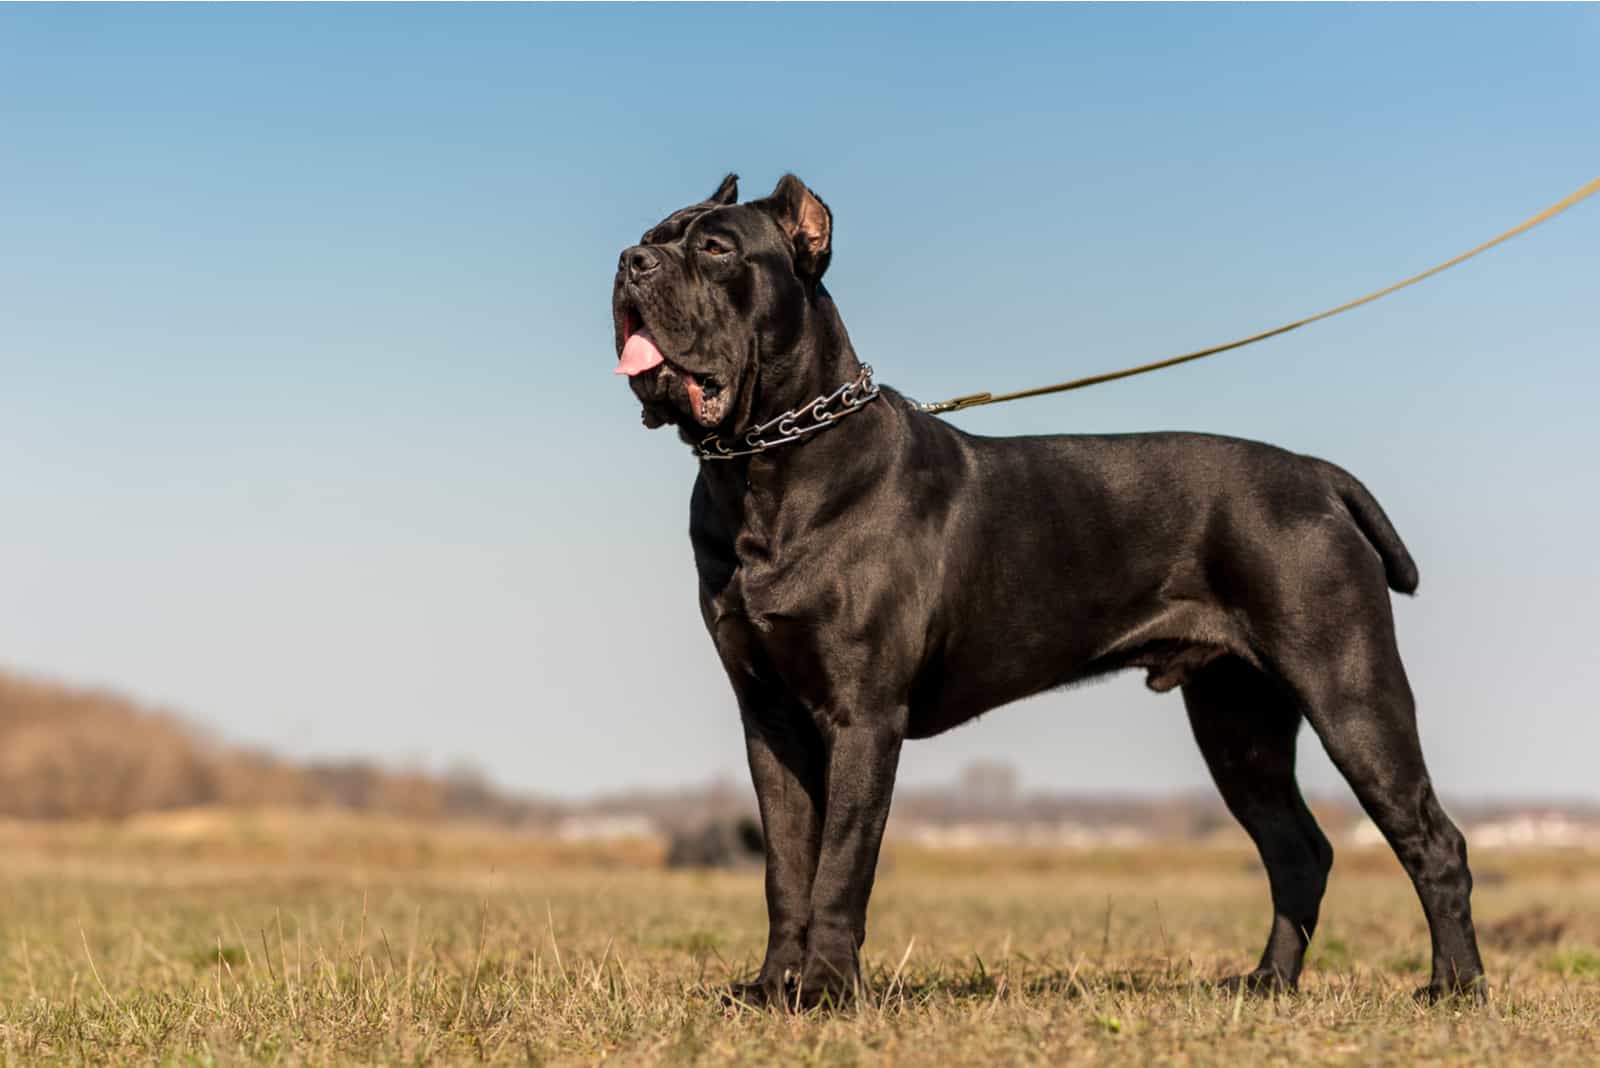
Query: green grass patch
x=1579 y=962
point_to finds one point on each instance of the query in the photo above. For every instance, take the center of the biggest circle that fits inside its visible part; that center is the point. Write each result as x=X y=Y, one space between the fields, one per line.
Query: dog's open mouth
x=641 y=354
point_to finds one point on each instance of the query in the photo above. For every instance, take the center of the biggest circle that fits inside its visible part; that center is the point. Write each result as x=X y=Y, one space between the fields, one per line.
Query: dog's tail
x=1398 y=566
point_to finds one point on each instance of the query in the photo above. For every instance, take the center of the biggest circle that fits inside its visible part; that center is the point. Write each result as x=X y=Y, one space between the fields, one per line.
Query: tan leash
x=973 y=400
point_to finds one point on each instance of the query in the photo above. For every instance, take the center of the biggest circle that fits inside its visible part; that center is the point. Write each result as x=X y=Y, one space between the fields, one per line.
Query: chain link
x=823 y=412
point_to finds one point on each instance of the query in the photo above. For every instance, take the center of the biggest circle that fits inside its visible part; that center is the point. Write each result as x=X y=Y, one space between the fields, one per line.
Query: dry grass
x=221 y=939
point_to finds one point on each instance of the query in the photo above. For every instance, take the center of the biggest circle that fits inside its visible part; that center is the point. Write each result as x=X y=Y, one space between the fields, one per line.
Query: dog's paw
x=763 y=993
x=1261 y=982
x=825 y=985
x=1474 y=991
x=826 y=994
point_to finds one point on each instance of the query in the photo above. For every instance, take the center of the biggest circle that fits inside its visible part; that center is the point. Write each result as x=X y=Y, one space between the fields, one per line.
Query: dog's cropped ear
x=808 y=222
x=727 y=193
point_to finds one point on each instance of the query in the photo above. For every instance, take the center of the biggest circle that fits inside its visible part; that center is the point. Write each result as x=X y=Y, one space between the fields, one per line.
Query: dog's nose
x=638 y=262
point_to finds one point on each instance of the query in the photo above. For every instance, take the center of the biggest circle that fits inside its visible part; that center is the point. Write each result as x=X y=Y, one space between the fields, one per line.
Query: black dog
x=869 y=573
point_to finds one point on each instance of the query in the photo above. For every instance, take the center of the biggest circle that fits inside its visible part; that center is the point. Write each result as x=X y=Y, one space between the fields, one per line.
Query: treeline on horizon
x=75 y=753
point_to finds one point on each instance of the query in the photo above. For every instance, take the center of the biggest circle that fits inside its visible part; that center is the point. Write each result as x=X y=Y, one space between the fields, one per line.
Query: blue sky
x=308 y=428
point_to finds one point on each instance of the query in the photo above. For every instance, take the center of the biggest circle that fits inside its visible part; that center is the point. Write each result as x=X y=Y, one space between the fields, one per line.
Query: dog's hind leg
x=1245 y=723
x=1353 y=690
x=1368 y=725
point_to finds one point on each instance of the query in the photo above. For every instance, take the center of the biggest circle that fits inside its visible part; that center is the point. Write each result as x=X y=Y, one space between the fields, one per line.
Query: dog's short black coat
x=892 y=577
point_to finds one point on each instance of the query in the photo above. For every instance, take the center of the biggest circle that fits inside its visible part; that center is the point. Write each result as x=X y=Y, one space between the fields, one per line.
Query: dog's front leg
x=862 y=756
x=788 y=766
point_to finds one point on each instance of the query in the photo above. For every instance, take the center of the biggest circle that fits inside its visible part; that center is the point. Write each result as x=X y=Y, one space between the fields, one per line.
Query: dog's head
x=710 y=295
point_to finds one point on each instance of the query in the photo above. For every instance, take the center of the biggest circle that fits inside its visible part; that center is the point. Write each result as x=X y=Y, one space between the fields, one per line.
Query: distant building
x=988 y=785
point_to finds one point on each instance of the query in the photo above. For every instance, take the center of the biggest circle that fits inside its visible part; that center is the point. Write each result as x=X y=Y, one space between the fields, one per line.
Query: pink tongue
x=638 y=355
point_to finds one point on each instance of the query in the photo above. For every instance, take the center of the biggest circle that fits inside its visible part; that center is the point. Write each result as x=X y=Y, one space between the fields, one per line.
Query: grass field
x=221 y=939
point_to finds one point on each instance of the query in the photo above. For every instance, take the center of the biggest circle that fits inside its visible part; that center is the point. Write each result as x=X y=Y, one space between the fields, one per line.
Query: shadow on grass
x=1078 y=982
x=981 y=985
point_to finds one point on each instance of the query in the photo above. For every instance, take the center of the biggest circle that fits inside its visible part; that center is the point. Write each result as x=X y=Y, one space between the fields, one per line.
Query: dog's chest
x=750 y=602
x=773 y=648
x=765 y=607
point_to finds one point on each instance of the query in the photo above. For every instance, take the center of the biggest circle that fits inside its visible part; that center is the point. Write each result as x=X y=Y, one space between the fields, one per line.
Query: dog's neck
x=790 y=381
x=824 y=361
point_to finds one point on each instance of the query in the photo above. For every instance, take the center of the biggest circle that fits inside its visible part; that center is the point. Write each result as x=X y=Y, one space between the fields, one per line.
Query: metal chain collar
x=794 y=424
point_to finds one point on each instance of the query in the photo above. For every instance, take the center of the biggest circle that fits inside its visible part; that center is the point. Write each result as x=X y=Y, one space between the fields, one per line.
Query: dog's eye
x=714 y=247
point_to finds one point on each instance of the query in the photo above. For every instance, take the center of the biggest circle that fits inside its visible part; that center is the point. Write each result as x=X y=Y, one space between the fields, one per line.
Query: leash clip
x=955 y=404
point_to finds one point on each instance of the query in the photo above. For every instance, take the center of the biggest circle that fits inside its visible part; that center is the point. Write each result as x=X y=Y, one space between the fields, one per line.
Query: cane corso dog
x=870 y=573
